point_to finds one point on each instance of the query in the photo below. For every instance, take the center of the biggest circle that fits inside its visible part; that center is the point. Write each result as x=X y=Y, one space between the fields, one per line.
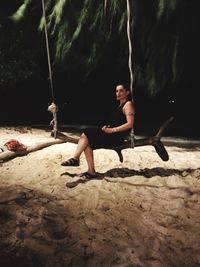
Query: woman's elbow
x=130 y=125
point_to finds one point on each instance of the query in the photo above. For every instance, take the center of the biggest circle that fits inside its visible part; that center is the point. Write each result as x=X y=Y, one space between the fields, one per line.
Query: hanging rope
x=52 y=108
x=129 y=46
x=130 y=61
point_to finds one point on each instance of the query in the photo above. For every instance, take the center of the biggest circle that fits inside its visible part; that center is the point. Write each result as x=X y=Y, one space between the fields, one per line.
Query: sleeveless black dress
x=99 y=139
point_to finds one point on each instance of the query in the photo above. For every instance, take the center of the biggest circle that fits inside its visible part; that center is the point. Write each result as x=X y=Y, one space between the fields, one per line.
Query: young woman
x=121 y=122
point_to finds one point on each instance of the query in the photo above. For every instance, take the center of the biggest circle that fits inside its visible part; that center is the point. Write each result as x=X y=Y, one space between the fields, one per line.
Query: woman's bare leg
x=89 y=155
x=81 y=146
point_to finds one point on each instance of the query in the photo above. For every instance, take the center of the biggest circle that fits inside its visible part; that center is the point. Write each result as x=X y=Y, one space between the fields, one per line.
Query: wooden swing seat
x=155 y=141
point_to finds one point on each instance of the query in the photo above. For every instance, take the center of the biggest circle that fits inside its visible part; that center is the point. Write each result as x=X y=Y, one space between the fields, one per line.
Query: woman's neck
x=122 y=101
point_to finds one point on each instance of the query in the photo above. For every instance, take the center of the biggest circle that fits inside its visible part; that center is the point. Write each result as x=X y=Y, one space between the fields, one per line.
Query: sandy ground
x=142 y=212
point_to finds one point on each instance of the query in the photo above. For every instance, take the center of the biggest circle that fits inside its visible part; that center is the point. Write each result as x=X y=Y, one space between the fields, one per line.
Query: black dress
x=99 y=139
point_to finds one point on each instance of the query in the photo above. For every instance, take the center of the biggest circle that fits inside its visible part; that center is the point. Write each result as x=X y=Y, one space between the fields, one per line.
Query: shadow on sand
x=126 y=172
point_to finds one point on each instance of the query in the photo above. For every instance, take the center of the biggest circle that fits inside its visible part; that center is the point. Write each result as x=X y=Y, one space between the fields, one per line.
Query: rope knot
x=53 y=109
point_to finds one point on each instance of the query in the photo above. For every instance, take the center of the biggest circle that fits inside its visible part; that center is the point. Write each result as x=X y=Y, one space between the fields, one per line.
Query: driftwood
x=7 y=155
x=62 y=138
x=155 y=141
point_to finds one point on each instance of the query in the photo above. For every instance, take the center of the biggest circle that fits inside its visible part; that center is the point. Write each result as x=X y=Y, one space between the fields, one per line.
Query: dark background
x=88 y=101
x=86 y=104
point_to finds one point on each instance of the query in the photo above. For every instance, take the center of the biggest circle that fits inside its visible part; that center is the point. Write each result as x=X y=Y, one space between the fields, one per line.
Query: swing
x=131 y=141
x=52 y=107
x=18 y=149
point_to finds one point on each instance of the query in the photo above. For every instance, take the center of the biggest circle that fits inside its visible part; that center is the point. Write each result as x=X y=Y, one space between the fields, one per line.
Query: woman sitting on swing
x=121 y=122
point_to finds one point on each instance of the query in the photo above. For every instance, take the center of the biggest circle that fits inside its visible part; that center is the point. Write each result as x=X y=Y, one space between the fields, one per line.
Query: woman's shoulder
x=129 y=107
x=129 y=103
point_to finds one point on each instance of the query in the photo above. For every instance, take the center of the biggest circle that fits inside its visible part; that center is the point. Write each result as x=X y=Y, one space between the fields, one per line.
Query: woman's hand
x=107 y=129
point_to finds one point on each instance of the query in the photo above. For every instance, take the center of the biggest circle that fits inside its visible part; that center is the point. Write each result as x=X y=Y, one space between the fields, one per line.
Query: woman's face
x=121 y=93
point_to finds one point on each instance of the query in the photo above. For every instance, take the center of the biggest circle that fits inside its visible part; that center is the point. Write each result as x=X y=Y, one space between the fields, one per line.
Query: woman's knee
x=83 y=137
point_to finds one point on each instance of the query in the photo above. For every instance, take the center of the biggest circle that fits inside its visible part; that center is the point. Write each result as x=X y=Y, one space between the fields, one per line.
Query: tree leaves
x=83 y=33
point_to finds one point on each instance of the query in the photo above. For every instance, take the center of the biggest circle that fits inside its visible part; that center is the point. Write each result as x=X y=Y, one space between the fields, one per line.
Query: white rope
x=129 y=46
x=52 y=108
x=130 y=62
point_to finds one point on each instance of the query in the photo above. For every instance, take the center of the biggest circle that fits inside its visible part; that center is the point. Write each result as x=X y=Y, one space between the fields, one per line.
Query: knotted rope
x=52 y=108
x=130 y=62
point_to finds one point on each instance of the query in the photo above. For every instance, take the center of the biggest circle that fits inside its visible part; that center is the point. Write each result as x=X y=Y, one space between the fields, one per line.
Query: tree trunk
x=7 y=155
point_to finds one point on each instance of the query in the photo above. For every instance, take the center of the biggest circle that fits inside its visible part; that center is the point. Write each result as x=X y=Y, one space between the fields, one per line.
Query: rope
x=130 y=62
x=129 y=46
x=52 y=108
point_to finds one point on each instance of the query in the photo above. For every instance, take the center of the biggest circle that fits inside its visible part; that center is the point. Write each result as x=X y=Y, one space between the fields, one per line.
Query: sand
x=142 y=212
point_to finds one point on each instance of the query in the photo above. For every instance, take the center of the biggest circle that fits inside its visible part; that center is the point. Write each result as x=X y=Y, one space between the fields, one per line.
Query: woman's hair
x=126 y=87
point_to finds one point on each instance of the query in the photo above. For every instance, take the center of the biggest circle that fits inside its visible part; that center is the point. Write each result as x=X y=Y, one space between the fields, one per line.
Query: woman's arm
x=129 y=112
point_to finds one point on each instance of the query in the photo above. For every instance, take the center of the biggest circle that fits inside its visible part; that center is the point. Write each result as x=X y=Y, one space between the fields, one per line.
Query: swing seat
x=157 y=144
x=160 y=149
x=154 y=141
